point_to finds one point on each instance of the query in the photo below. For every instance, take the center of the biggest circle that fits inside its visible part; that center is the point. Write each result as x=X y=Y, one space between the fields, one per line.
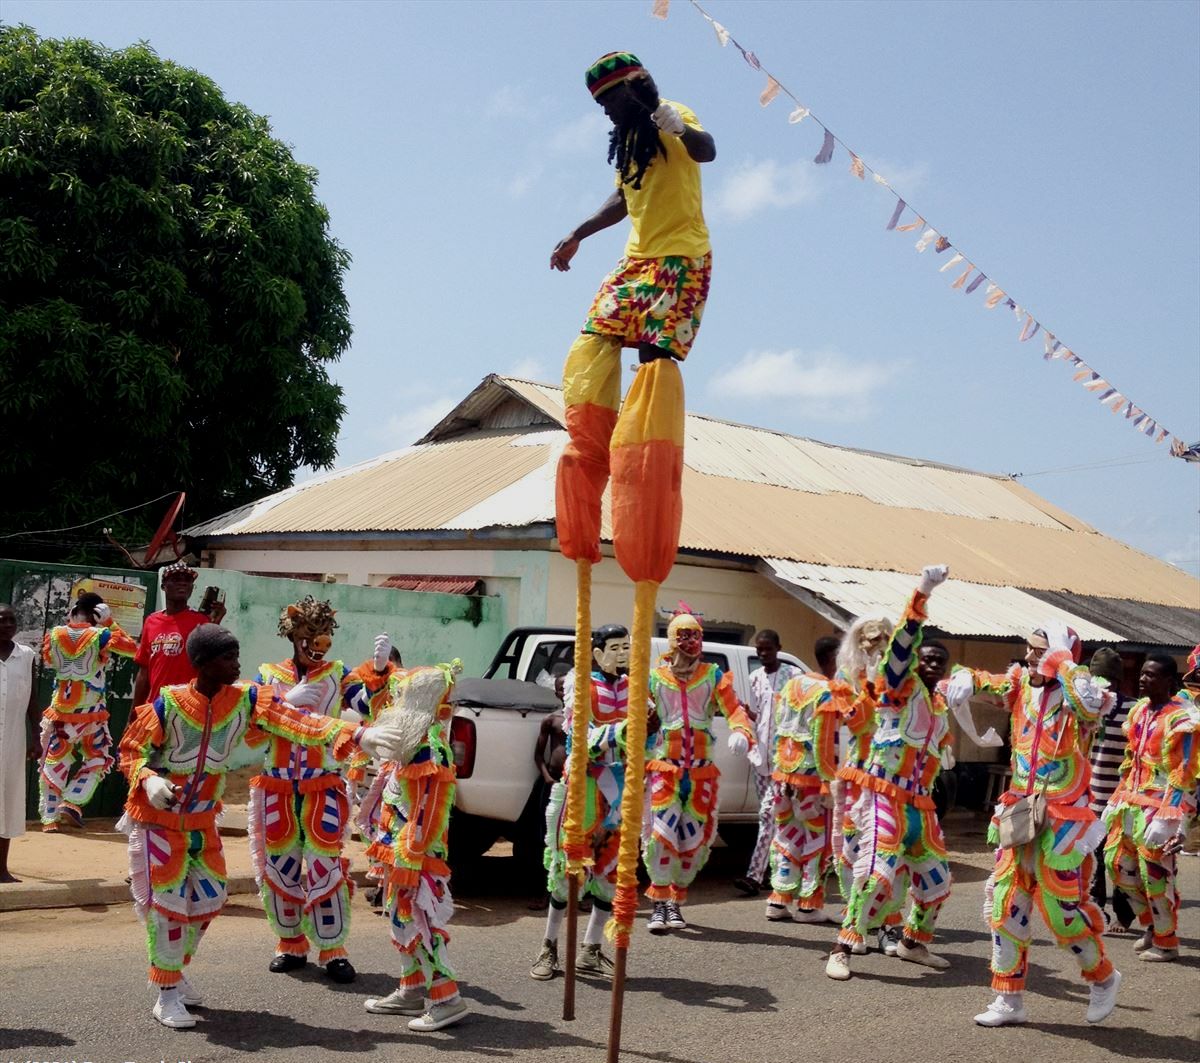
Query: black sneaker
x=658 y=918
x=746 y=886
x=340 y=970
x=285 y=962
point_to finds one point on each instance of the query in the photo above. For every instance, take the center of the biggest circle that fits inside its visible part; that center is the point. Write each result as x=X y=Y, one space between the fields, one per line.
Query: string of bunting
x=967 y=276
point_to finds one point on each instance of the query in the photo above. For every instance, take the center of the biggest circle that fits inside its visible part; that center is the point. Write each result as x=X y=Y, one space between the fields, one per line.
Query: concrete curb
x=82 y=893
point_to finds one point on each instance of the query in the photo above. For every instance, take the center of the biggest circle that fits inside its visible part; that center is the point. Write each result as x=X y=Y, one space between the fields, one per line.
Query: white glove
x=384 y=741
x=102 y=613
x=739 y=744
x=668 y=120
x=383 y=650
x=159 y=792
x=303 y=695
x=931 y=576
x=1161 y=831
x=960 y=686
x=1057 y=637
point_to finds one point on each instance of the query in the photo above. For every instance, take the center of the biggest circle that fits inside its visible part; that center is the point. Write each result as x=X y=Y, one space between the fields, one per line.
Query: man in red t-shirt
x=161 y=657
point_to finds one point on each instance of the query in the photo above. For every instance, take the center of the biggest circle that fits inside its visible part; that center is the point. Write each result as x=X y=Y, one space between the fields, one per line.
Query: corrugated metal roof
x=1153 y=625
x=958 y=607
x=747 y=492
x=422 y=488
x=758 y=520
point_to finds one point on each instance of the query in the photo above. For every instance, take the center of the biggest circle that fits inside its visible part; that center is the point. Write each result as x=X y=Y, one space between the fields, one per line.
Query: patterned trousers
x=177 y=879
x=1024 y=876
x=764 y=787
x=798 y=861
x=681 y=824
x=62 y=744
x=418 y=917
x=894 y=835
x=600 y=879
x=1146 y=877
x=296 y=848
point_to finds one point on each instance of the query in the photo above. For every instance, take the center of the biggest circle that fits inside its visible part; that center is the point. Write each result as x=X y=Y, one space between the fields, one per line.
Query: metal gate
x=41 y=594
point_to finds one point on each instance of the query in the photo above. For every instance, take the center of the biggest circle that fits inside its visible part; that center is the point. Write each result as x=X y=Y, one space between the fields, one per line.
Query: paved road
x=732 y=989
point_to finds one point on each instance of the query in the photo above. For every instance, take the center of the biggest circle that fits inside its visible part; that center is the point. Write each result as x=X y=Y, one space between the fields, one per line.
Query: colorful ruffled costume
x=76 y=722
x=418 y=798
x=299 y=817
x=1158 y=782
x=177 y=865
x=1052 y=727
x=601 y=820
x=804 y=761
x=894 y=811
x=682 y=779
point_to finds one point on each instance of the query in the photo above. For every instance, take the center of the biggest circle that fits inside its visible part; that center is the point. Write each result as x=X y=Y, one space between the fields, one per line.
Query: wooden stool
x=999 y=776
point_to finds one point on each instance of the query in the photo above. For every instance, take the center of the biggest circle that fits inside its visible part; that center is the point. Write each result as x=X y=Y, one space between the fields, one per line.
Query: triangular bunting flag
x=770 y=92
x=660 y=8
x=954 y=261
x=826 y=152
x=927 y=238
x=856 y=167
x=798 y=115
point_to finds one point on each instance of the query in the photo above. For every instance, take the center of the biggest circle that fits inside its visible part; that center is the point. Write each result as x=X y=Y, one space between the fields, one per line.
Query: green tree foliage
x=170 y=295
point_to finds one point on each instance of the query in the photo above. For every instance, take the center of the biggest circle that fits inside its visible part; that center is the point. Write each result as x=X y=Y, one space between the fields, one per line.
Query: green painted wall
x=428 y=628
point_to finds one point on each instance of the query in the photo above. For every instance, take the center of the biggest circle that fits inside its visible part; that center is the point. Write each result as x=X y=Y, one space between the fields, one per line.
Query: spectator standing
x=17 y=743
x=765 y=685
x=162 y=658
x=1108 y=750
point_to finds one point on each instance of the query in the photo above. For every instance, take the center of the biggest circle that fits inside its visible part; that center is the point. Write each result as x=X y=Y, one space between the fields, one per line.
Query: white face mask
x=613 y=657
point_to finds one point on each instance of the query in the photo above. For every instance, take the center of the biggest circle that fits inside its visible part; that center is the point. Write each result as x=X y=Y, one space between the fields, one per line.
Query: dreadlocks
x=635 y=142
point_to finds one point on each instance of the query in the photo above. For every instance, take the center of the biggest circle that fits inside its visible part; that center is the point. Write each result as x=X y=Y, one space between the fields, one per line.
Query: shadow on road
x=697 y=994
x=32 y=1038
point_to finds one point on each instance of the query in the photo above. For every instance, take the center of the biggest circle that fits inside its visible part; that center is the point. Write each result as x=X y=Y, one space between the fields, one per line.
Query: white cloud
x=586 y=133
x=757 y=186
x=527 y=369
x=838 y=386
x=408 y=425
x=510 y=101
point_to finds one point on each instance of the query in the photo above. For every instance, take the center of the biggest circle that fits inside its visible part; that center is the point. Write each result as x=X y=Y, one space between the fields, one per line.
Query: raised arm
x=899 y=665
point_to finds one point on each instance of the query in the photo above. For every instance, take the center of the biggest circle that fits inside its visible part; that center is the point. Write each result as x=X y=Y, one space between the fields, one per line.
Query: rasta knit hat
x=610 y=70
x=208 y=642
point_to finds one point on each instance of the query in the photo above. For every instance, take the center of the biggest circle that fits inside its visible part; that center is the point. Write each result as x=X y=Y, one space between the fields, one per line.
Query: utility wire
x=88 y=523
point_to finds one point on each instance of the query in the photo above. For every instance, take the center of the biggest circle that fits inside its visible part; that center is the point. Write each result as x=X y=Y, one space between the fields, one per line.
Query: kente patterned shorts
x=657 y=301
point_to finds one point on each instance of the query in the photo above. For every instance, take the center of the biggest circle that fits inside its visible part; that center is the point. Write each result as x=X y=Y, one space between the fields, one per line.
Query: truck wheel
x=470 y=837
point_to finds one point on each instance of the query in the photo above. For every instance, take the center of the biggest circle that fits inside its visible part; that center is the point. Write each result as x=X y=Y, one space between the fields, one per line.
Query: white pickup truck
x=495 y=729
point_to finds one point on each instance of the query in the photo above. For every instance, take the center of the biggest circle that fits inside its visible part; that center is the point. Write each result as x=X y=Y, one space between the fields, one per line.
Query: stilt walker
x=651 y=301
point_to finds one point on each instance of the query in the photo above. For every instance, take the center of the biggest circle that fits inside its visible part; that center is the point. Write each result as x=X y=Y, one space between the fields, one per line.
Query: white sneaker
x=812 y=915
x=918 y=953
x=171 y=1012
x=1156 y=955
x=1007 y=1009
x=1103 y=998
x=837 y=966
x=438 y=1016
x=1145 y=941
x=675 y=918
x=397 y=1002
x=189 y=994
x=859 y=948
x=779 y=913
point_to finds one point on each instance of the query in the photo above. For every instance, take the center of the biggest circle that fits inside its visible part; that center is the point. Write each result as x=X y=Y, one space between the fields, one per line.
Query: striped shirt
x=1108 y=751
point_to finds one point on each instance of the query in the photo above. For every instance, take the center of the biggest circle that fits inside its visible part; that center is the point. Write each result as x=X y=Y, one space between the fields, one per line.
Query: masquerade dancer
x=175 y=753
x=300 y=805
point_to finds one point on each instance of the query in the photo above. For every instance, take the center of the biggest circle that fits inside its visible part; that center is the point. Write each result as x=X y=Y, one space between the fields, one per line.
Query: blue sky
x=1057 y=143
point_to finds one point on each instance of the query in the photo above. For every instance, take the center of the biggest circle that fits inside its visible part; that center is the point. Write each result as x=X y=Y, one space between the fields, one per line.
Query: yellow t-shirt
x=666 y=212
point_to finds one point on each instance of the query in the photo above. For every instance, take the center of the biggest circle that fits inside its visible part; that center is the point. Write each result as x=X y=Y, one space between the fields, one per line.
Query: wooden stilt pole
x=569 y=969
x=618 y=1006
